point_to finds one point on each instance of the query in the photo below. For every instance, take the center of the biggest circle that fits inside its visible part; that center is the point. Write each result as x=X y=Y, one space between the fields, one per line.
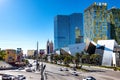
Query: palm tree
x=51 y=57
x=77 y=59
x=67 y=60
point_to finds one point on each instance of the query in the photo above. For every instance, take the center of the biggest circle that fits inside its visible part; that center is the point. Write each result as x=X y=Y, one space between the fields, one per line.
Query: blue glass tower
x=68 y=29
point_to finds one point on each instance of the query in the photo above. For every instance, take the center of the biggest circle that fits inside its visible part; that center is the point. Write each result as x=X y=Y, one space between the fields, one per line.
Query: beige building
x=30 y=52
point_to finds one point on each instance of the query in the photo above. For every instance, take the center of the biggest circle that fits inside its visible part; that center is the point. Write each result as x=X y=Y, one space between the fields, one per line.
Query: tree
x=56 y=58
x=77 y=59
x=95 y=59
x=61 y=58
x=2 y=55
x=85 y=58
x=67 y=60
x=51 y=57
x=45 y=58
x=26 y=61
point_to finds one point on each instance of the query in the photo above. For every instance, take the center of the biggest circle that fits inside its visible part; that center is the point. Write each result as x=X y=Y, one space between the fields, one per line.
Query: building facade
x=30 y=53
x=114 y=23
x=73 y=49
x=68 y=29
x=95 y=22
x=19 y=54
x=11 y=56
x=109 y=51
x=49 y=47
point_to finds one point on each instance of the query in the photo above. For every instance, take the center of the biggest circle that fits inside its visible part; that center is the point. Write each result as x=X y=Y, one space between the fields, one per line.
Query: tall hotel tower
x=95 y=22
x=114 y=23
x=68 y=29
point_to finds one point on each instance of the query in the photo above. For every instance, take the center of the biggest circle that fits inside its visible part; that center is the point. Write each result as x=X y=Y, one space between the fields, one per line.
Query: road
x=53 y=73
x=99 y=73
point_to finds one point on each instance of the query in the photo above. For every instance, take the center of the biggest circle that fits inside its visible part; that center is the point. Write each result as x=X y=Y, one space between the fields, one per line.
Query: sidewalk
x=4 y=65
x=92 y=67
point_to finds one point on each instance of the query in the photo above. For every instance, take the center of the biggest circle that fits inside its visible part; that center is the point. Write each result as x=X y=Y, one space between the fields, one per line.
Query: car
x=33 y=70
x=30 y=65
x=21 y=77
x=74 y=69
x=21 y=68
x=13 y=77
x=74 y=73
x=66 y=69
x=89 y=78
x=6 y=77
x=34 y=61
x=60 y=69
x=28 y=70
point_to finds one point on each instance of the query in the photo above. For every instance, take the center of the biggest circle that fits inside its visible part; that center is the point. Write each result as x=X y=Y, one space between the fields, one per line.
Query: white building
x=108 y=49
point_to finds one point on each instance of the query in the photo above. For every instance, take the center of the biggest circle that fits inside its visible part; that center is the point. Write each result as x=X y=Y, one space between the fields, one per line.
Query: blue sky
x=24 y=22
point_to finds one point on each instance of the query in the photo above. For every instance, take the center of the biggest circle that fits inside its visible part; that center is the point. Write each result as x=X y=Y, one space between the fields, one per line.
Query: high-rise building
x=49 y=47
x=114 y=23
x=95 y=22
x=19 y=54
x=68 y=29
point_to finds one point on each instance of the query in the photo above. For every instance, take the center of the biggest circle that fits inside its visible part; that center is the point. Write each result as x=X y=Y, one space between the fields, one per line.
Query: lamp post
x=37 y=55
x=42 y=66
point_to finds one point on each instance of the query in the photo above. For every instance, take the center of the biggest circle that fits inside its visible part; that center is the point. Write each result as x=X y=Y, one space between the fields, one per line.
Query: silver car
x=74 y=73
x=89 y=78
x=21 y=77
x=6 y=77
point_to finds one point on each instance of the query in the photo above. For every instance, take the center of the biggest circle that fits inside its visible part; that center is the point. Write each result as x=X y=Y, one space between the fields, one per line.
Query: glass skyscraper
x=114 y=23
x=95 y=22
x=101 y=23
x=68 y=29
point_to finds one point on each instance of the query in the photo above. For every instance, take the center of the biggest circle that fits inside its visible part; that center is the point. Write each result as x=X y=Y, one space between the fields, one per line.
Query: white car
x=89 y=78
x=66 y=69
x=60 y=69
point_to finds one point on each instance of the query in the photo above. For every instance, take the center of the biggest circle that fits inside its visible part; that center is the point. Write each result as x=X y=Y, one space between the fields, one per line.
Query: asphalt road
x=99 y=73
x=53 y=73
x=28 y=75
